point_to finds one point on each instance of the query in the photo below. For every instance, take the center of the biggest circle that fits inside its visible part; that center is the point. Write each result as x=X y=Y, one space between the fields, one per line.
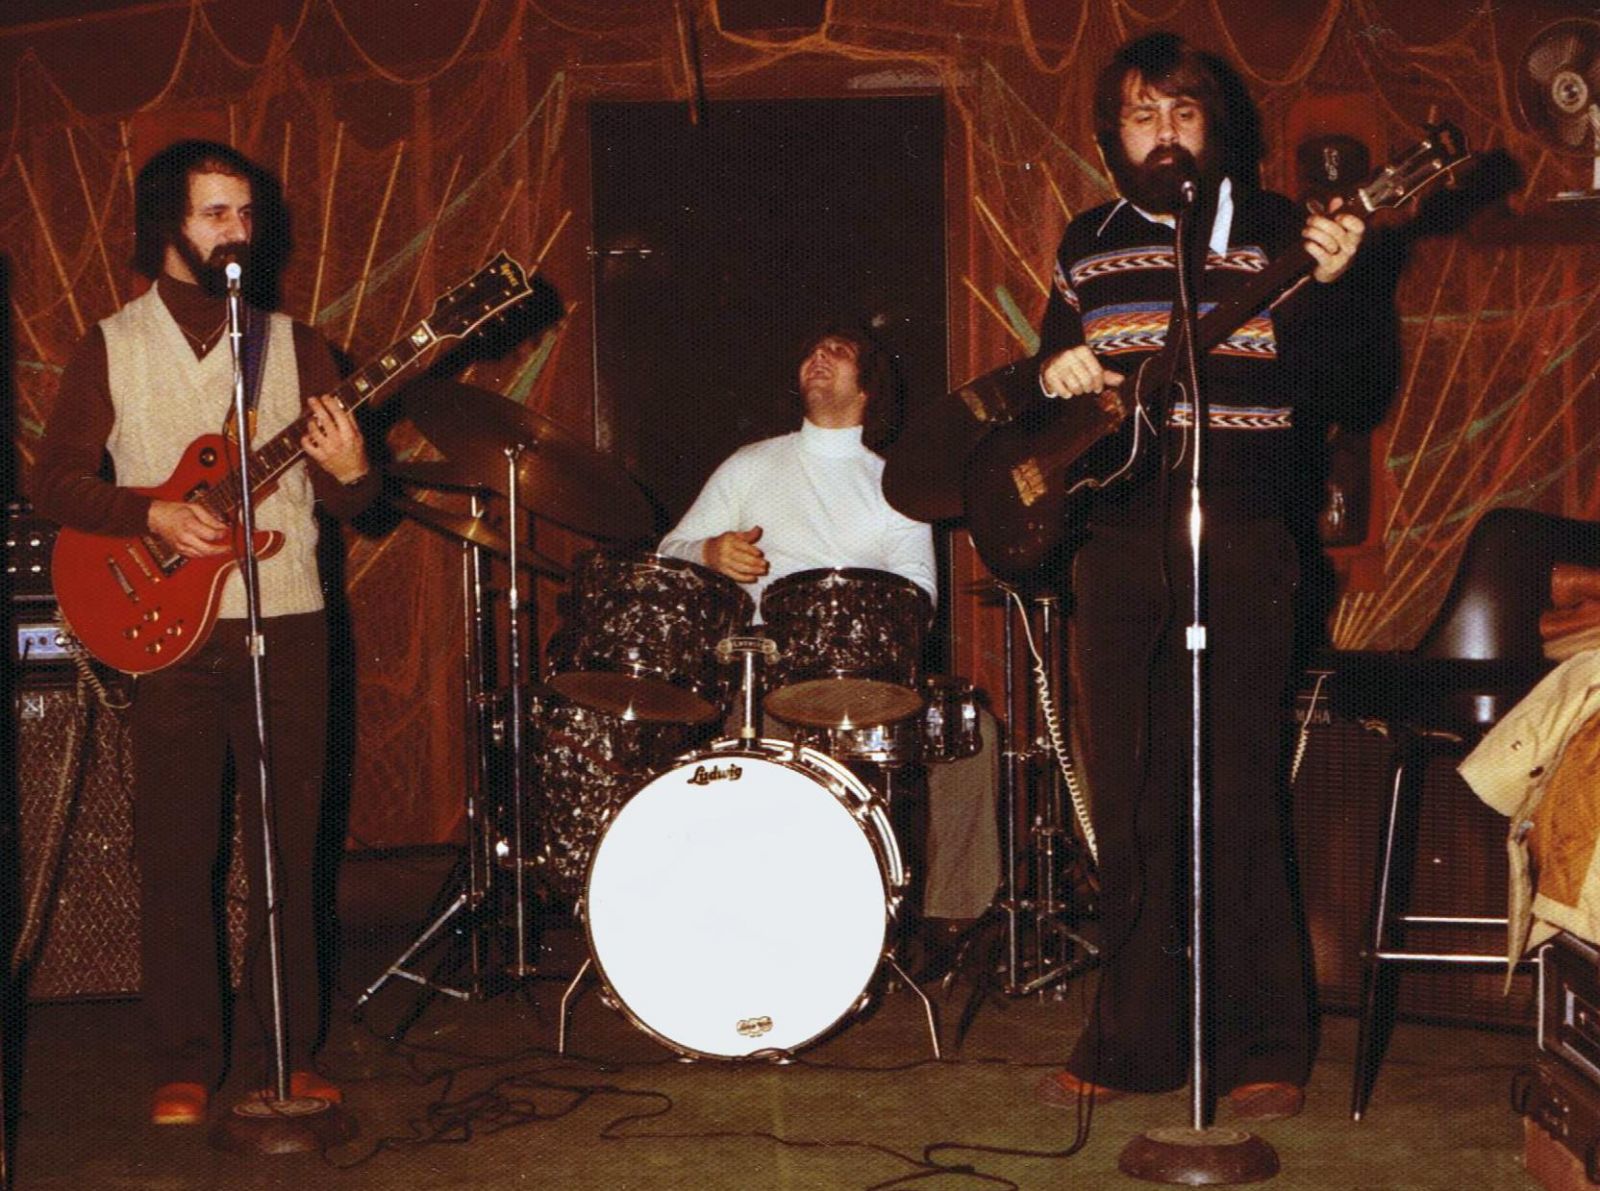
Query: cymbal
x=558 y=477
x=478 y=532
x=926 y=463
x=432 y=473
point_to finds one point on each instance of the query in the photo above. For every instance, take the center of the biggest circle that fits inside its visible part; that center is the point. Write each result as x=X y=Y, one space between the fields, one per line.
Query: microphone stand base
x=263 y=1124
x=1187 y=1157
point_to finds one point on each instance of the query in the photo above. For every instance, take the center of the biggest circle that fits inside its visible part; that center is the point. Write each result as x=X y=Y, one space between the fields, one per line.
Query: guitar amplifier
x=1561 y=1125
x=38 y=646
x=29 y=540
x=1569 y=1005
x=1559 y=1094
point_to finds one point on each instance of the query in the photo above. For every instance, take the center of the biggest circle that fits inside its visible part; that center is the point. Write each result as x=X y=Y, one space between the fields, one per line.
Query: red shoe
x=1062 y=1089
x=179 y=1104
x=1267 y=1101
x=303 y=1084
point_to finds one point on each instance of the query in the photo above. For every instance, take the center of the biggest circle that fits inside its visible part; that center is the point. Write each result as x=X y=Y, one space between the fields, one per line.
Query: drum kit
x=739 y=893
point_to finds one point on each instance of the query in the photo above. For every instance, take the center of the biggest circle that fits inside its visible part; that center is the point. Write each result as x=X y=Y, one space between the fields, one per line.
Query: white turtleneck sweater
x=817 y=495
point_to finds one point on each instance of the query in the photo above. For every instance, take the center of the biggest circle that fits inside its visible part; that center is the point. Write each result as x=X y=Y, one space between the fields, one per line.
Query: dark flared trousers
x=185 y=720
x=1132 y=681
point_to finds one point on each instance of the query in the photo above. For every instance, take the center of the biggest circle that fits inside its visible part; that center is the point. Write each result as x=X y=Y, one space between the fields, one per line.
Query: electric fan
x=1558 y=88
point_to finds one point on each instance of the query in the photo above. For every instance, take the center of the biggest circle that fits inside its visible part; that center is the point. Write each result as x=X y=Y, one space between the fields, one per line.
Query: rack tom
x=849 y=647
x=644 y=638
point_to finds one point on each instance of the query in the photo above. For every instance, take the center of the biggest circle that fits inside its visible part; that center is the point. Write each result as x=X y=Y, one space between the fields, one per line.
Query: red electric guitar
x=135 y=602
x=1029 y=480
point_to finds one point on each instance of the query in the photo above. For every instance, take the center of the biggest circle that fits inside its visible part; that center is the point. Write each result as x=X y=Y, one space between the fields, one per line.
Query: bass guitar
x=135 y=602
x=1028 y=481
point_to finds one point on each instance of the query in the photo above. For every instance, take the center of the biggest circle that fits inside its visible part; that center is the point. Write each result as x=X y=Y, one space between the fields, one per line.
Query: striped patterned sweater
x=1113 y=288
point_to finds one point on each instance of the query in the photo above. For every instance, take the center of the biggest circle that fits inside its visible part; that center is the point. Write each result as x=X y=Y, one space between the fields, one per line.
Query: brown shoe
x=179 y=1104
x=1062 y=1089
x=1267 y=1101
x=309 y=1083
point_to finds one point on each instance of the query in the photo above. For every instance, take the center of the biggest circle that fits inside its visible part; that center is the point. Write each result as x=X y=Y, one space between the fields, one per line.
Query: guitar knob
x=131 y=633
x=153 y=648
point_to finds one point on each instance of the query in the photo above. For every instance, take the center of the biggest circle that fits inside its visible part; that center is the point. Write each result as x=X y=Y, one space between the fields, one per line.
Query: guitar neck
x=283 y=450
x=1254 y=292
x=1238 y=308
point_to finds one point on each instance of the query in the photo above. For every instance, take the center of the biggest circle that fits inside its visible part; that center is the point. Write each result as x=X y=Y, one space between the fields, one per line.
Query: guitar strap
x=257 y=330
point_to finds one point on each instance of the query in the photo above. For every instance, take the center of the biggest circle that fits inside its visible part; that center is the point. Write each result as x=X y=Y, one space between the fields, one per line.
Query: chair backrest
x=1502 y=584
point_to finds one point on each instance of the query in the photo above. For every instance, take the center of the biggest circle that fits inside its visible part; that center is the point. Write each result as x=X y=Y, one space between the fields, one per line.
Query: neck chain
x=204 y=344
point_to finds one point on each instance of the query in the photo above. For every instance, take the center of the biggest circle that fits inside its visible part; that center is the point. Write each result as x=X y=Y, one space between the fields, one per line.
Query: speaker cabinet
x=1340 y=799
x=79 y=888
x=79 y=883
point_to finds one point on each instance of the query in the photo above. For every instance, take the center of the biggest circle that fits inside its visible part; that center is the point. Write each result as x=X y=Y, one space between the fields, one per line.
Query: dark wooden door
x=720 y=246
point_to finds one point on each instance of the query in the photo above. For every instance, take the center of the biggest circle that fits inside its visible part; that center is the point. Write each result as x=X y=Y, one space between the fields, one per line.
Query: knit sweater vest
x=165 y=398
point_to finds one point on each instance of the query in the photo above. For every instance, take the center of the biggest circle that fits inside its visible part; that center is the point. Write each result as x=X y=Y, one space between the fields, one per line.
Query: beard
x=1156 y=183
x=210 y=271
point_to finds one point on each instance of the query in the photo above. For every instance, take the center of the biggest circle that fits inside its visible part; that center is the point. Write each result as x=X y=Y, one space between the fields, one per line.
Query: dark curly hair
x=161 y=203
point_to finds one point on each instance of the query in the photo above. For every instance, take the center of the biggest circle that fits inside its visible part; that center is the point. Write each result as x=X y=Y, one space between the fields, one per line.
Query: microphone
x=233 y=272
x=1187 y=192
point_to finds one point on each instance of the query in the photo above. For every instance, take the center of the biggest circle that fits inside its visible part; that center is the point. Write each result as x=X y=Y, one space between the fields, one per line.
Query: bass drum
x=739 y=905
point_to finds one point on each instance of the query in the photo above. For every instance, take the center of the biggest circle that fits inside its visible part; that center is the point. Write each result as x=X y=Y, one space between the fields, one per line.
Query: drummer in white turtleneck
x=812 y=498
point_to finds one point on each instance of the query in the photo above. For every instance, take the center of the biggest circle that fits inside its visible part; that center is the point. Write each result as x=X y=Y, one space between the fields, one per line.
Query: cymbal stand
x=519 y=859
x=476 y=867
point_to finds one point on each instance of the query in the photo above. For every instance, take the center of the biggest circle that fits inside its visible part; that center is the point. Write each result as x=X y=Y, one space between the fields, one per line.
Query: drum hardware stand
x=1057 y=953
x=519 y=966
x=750 y=650
x=476 y=868
x=483 y=857
x=1048 y=824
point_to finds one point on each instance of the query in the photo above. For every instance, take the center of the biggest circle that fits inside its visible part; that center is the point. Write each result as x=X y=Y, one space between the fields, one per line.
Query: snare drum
x=585 y=765
x=849 y=647
x=740 y=903
x=950 y=720
x=643 y=643
x=896 y=744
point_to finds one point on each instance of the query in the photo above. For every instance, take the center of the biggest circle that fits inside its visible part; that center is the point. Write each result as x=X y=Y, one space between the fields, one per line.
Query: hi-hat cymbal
x=558 y=477
x=478 y=532
x=926 y=466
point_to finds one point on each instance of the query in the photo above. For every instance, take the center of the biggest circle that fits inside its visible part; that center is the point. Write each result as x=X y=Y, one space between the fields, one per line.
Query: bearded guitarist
x=1162 y=117
x=142 y=385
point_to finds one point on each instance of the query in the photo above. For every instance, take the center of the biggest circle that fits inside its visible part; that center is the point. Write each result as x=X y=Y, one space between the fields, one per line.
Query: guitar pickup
x=1029 y=481
x=122 y=580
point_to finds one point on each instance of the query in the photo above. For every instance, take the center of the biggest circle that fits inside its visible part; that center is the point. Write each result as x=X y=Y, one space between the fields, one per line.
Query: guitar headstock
x=1439 y=152
x=492 y=289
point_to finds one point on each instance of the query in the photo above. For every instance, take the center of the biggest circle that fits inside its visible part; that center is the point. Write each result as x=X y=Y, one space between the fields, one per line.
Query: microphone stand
x=270 y=1122
x=1196 y=1155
